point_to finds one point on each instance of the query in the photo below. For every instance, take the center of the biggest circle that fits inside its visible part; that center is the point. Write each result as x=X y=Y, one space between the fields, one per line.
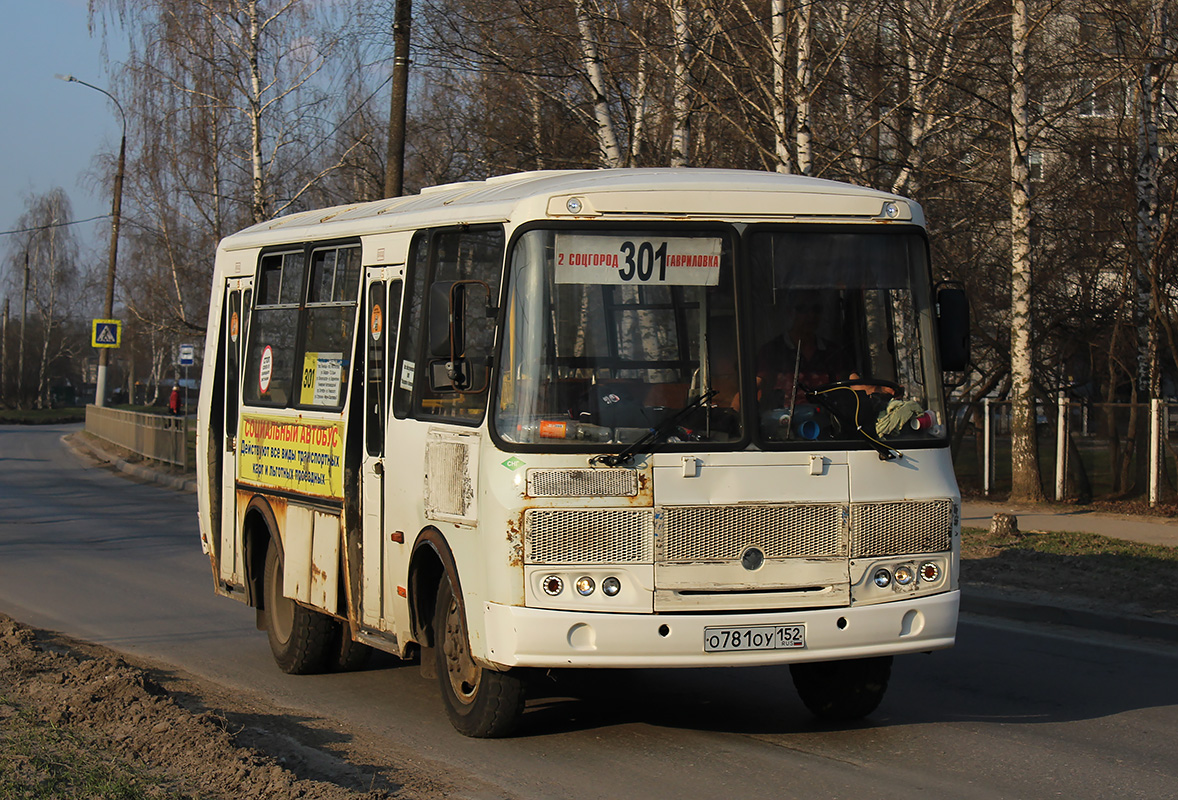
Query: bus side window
x=405 y=366
x=325 y=363
x=465 y=255
x=384 y=310
x=273 y=330
x=394 y=322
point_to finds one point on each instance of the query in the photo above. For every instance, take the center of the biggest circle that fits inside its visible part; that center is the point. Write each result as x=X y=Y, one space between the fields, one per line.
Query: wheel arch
x=259 y=530
x=430 y=560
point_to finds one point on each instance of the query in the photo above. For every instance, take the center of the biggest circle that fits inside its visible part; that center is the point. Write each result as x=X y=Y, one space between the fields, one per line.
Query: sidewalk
x=1133 y=528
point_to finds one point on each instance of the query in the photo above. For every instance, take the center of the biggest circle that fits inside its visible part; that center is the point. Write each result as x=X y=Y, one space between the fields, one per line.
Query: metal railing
x=1074 y=437
x=160 y=438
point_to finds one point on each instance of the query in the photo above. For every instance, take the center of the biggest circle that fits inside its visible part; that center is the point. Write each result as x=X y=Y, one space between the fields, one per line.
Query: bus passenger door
x=237 y=305
x=382 y=314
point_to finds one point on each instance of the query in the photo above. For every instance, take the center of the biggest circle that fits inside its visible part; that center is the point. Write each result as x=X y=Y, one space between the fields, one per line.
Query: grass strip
x=1085 y=566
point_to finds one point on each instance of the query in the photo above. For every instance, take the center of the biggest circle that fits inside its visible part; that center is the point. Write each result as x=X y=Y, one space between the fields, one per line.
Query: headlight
x=883 y=578
x=585 y=586
x=611 y=586
x=553 y=585
x=904 y=575
x=929 y=571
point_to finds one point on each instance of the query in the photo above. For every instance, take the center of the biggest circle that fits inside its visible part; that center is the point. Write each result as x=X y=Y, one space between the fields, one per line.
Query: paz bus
x=587 y=419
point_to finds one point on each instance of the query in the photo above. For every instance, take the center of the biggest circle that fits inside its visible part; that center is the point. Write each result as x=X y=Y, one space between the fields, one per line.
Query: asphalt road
x=1014 y=711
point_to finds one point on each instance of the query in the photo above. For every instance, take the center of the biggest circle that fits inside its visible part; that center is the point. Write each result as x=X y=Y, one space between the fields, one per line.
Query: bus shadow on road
x=751 y=700
x=993 y=676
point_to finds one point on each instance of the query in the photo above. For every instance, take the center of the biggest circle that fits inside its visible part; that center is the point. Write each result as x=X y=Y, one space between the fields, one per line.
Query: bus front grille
x=723 y=533
x=892 y=529
x=693 y=534
x=591 y=536
x=582 y=482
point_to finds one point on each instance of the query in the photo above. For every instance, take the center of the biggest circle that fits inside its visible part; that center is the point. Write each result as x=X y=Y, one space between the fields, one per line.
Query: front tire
x=481 y=703
x=842 y=690
x=300 y=639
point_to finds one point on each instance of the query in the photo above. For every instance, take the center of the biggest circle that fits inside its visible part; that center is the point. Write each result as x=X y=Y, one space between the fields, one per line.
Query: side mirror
x=454 y=308
x=953 y=326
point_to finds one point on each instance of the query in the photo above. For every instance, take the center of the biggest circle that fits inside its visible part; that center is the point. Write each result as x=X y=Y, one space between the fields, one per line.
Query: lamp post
x=115 y=214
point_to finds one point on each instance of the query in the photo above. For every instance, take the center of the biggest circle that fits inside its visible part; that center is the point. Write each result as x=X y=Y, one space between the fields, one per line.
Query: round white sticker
x=266 y=369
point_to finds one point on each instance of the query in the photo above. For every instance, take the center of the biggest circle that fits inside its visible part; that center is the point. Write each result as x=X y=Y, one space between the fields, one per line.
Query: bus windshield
x=612 y=333
x=842 y=337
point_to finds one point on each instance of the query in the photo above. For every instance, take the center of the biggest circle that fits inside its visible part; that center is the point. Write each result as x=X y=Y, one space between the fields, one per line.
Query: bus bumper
x=531 y=637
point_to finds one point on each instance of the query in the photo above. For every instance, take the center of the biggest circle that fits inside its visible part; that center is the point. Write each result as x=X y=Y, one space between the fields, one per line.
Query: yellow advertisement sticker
x=295 y=455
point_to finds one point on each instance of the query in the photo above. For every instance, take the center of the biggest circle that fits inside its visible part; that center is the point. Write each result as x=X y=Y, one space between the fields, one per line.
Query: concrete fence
x=153 y=436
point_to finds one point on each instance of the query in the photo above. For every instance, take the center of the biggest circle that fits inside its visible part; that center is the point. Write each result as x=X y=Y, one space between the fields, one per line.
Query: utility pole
x=115 y=216
x=4 y=354
x=394 y=176
x=20 y=362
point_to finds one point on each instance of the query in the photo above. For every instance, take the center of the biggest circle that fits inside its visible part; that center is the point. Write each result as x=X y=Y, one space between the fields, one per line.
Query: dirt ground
x=77 y=721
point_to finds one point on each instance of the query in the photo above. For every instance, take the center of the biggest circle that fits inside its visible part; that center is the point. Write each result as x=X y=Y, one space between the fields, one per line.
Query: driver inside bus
x=800 y=358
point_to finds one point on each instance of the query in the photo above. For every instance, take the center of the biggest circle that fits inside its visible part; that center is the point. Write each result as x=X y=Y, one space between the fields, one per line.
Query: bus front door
x=382 y=309
x=238 y=293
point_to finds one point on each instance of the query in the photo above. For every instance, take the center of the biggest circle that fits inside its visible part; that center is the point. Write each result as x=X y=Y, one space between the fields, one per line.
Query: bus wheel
x=480 y=702
x=842 y=690
x=300 y=639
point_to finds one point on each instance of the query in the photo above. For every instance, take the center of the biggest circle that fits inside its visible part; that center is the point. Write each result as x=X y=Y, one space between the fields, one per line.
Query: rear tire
x=842 y=690
x=481 y=703
x=300 y=639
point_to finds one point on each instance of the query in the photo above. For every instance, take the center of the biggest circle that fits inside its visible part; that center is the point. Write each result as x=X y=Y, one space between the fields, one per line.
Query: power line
x=54 y=225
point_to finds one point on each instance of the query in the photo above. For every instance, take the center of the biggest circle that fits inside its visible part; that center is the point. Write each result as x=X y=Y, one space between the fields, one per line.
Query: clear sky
x=52 y=130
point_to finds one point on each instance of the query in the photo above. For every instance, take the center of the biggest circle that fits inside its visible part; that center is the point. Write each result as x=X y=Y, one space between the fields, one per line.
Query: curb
x=83 y=448
x=991 y=603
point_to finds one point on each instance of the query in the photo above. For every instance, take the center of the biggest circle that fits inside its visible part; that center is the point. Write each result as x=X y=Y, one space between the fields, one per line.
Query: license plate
x=760 y=637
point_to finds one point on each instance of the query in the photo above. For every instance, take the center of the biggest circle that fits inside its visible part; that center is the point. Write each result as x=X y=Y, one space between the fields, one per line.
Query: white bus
x=615 y=418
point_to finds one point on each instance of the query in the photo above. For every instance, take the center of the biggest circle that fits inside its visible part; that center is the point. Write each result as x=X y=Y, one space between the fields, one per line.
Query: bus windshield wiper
x=655 y=435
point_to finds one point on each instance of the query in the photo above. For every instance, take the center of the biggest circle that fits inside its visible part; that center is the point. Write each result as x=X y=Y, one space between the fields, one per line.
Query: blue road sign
x=106 y=333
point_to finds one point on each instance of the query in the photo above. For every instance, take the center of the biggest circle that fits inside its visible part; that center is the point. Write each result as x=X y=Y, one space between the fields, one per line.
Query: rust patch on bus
x=515 y=540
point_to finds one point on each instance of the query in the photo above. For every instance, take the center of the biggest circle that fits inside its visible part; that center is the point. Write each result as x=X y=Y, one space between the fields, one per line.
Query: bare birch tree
x=1025 y=478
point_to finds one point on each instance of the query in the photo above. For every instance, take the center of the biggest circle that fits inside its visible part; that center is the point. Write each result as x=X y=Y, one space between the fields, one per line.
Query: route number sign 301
x=612 y=259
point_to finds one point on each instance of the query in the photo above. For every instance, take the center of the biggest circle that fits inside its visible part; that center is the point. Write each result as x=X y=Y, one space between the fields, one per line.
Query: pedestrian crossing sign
x=107 y=333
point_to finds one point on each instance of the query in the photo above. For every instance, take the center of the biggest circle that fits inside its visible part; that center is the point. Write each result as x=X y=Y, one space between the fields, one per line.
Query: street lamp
x=115 y=213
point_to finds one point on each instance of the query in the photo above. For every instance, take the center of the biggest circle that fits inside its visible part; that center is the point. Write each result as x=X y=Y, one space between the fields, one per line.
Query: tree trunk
x=681 y=86
x=779 y=42
x=1024 y=446
x=607 y=140
x=804 y=88
x=258 y=209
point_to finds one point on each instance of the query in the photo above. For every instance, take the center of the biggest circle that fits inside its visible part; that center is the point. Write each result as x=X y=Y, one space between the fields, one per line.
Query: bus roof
x=682 y=193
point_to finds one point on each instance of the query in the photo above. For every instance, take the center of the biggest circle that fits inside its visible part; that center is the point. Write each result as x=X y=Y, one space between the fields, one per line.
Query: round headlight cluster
x=553 y=585
x=905 y=575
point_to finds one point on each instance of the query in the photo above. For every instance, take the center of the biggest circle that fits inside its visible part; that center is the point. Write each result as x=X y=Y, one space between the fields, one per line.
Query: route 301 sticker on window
x=638 y=259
